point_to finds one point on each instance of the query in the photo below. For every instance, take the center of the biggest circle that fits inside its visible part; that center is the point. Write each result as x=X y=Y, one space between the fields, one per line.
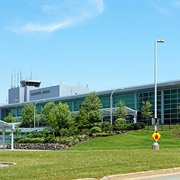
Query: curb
x=138 y=175
x=142 y=174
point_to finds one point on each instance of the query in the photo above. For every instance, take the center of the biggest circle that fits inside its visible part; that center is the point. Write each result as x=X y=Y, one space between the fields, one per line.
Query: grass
x=129 y=152
x=140 y=139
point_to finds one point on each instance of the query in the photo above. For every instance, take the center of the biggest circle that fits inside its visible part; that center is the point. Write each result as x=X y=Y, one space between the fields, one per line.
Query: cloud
x=59 y=15
x=176 y=4
x=166 y=8
x=161 y=8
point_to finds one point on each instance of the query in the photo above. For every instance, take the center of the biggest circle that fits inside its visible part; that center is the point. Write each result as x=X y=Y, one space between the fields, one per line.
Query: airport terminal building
x=168 y=99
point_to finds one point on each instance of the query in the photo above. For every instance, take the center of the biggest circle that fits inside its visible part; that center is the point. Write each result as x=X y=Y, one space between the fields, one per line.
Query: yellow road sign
x=156 y=136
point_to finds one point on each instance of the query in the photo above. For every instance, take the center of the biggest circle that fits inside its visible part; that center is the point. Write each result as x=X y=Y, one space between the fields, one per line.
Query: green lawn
x=140 y=139
x=129 y=152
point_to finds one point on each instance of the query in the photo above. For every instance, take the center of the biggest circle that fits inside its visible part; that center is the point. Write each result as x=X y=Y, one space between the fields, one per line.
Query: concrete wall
x=44 y=93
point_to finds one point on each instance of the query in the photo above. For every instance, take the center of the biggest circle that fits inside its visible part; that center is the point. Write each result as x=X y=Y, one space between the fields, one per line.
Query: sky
x=105 y=44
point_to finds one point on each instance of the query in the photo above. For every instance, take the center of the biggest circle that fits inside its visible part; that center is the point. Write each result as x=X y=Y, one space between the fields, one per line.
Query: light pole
x=35 y=110
x=155 y=145
x=111 y=104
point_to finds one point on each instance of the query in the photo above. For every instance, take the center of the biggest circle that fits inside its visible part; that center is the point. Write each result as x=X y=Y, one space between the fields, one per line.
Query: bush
x=29 y=140
x=69 y=141
x=130 y=126
x=36 y=140
x=141 y=124
x=135 y=126
x=107 y=126
x=95 y=130
x=120 y=124
x=82 y=137
x=45 y=133
x=103 y=134
x=76 y=140
x=48 y=139
x=34 y=135
x=64 y=132
x=176 y=131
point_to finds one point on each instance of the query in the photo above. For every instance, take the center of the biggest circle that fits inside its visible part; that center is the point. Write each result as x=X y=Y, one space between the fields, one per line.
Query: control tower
x=21 y=94
x=30 y=82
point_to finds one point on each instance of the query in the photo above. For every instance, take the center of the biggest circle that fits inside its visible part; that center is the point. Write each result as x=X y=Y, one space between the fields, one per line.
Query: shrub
x=64 y=132
x=36 y=140
x=103 y=134
x=67 y=140
x=21 y=140
x=63 y=140
x=29 y=140
x=107 y=126
x=141 y=124
x=95 y=129
x=82 y=137
x=46 y=133
x=176 y=131
x=136 y=126
x=120 y=124
x=34 y=135
x=76 y=140
x=48 y=139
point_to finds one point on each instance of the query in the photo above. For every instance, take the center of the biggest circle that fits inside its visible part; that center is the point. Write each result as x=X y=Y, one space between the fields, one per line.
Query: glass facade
x=70 y=104
x=171 y=103
x=128 y=100
x=168 y=100
x=77 y=104
x=105 y=101
x=145 y=96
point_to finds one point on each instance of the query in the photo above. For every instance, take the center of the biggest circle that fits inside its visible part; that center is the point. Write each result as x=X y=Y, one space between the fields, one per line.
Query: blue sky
x=104 y=44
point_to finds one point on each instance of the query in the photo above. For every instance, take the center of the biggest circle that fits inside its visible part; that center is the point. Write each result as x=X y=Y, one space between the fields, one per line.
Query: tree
x=59 y=118
x=91 y=102
x=9 y=118
x=45 y=113
x=27 y=119
x=89 y=113
x=178 y=109
x=121 y=110
x=146 y=110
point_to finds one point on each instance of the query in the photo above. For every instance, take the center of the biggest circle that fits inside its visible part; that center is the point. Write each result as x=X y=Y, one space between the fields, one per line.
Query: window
x=46 y=92
x=36 y=93
x=105 y=101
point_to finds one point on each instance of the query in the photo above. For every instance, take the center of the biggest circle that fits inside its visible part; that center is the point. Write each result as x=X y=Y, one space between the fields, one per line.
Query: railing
x=161 y=127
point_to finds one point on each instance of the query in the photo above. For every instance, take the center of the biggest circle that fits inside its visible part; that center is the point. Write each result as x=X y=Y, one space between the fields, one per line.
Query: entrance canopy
x=107 y=112
x=4 y=126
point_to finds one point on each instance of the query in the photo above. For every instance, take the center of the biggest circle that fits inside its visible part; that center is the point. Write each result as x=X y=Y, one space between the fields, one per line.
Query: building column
x=3 y=143
x=135 y=107
x=12 y=137
x=162 y=106
x=73 y=105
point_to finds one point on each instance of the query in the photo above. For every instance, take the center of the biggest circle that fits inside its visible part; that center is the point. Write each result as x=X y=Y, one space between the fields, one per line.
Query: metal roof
x=5 y=125
x=32 y=130
x=164 y=85
x=107 y=111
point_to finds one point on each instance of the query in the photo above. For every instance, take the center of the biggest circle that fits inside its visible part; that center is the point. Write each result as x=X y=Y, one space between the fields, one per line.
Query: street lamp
x=111 y=103
x=155 y=145
x=35 y=110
